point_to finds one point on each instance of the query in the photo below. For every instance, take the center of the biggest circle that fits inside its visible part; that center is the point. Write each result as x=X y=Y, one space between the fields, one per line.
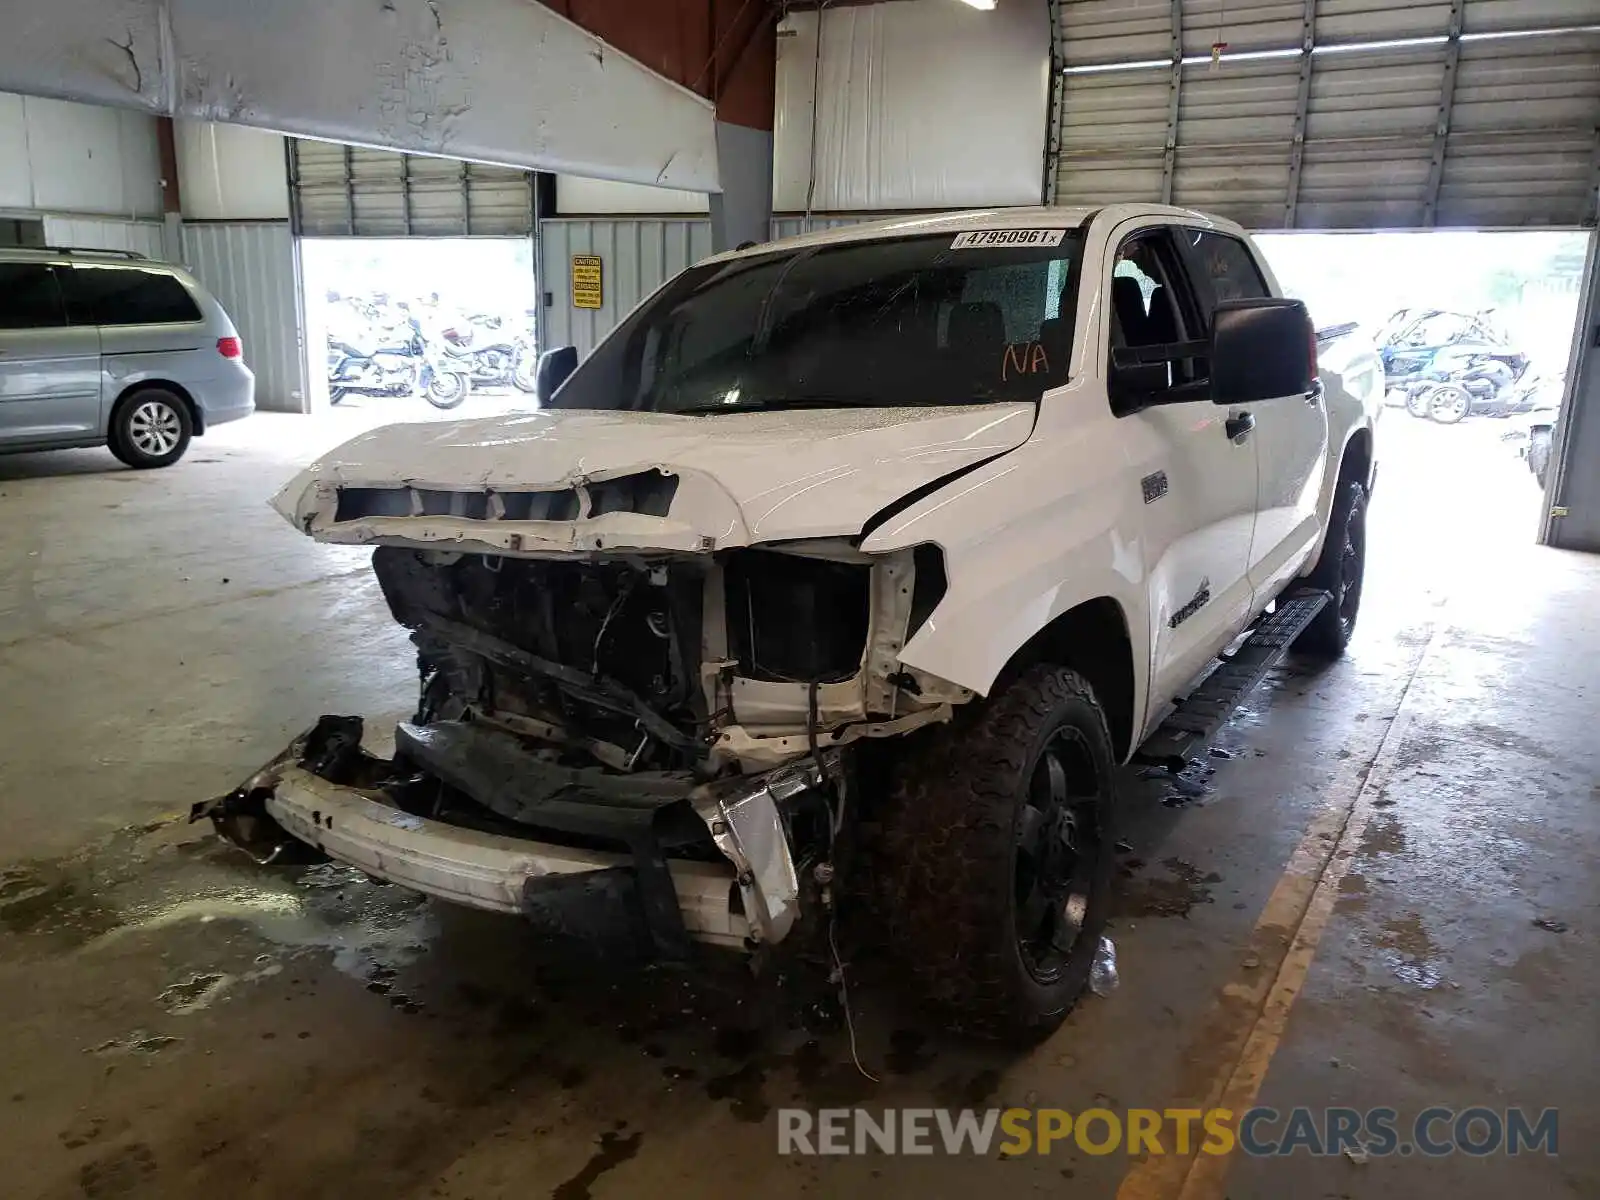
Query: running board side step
x=1203 y=711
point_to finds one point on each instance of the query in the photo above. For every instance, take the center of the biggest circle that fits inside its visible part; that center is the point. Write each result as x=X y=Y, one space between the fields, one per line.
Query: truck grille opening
x=579 y=644
x=796 y=620
x=648 y=493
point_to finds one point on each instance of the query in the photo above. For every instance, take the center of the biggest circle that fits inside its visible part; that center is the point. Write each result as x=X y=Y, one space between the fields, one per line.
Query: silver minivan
x=104 y=348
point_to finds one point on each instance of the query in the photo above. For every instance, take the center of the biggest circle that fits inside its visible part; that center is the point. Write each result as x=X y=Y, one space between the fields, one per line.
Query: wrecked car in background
x=846 y=567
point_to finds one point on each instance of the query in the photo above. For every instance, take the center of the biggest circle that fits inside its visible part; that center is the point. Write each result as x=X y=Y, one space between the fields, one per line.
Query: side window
x=1226 y=264
x=117 y=295
x=30 y=297
x=1152 y=305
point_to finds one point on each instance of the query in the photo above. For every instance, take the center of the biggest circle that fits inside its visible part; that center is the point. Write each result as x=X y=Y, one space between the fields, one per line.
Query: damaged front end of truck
x=665 y=624
x=621 y=691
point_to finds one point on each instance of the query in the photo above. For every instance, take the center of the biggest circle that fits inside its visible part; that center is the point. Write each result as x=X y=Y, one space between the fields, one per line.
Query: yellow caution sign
x=587 y=290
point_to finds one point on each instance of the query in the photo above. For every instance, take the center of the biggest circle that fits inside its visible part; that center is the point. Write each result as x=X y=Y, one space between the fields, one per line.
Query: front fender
x=1026 y=538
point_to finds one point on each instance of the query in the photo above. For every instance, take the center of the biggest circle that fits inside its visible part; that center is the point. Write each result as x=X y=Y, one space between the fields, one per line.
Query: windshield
x=906 y=322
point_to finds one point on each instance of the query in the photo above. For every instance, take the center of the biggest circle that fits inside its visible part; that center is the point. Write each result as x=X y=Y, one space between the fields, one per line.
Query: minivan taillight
x=230 y=347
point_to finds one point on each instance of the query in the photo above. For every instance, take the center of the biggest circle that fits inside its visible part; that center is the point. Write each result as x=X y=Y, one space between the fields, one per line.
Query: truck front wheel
x=999 y=854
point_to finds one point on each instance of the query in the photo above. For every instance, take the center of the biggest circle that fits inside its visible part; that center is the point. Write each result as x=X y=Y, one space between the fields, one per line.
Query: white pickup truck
x=848 y=568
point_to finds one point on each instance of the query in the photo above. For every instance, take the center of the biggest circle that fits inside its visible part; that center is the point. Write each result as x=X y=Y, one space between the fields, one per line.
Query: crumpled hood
x=742 y=478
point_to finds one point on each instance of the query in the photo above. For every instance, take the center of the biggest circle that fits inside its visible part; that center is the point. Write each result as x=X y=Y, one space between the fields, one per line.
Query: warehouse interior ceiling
x=1324 y=114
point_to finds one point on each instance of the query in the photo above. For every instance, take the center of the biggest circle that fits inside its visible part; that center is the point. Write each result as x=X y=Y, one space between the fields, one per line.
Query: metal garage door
x=1332 y=113
x=350 y=191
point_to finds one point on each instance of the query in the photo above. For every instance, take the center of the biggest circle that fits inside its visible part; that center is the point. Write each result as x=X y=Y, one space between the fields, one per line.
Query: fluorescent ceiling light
x=985 y=5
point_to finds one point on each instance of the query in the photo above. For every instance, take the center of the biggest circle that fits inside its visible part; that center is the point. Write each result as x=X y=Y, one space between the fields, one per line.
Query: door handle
x=1240 y=427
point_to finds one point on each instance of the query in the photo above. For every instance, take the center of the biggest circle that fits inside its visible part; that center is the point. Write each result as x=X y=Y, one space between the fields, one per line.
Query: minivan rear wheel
x=151 y=428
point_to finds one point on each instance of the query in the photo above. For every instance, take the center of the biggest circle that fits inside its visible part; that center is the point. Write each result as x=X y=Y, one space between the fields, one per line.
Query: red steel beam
x=725 y=50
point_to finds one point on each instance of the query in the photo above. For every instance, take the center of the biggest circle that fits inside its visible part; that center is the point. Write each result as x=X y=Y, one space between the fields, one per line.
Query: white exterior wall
x=57 y=157
x=922 y=106
x=577 y=196
x=231 y=173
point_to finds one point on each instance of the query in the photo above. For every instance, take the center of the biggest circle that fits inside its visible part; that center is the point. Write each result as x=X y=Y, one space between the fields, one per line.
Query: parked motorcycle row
x=1447 y=366
x=378 y=346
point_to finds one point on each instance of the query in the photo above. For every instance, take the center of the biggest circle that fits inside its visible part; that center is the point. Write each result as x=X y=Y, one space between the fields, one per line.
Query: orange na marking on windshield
x=1029 y=358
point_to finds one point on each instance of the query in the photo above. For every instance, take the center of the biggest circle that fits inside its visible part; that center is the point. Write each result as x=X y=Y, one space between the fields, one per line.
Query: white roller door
x=1332 y=113
x=351 y=191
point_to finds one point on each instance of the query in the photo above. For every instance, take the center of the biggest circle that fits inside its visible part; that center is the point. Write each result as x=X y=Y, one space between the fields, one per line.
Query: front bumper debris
x=747 y=826
x=324 y=792
x=476 y=869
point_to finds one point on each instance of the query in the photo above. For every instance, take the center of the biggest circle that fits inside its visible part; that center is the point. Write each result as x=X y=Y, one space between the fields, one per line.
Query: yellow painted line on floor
x=1230 y=1055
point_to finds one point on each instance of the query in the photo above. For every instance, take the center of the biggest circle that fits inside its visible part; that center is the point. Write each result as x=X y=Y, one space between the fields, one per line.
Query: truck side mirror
x=1260 y=350
x=554 y=367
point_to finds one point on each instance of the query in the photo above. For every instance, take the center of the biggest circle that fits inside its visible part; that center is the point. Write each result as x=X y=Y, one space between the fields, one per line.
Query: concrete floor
x=1345 y=916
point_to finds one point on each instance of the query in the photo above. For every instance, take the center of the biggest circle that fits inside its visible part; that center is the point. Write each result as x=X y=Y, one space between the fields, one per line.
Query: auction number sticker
x=977 y=239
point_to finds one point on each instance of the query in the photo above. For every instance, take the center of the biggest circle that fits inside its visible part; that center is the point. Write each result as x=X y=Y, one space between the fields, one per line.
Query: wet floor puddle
x=1171 y=895
x=549 y=1014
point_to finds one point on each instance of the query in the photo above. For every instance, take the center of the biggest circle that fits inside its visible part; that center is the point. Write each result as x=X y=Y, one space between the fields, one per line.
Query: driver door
x=1196 y=466
x=1290 y=434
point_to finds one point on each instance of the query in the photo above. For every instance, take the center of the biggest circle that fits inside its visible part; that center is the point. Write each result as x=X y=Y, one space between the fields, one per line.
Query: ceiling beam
x=1169 y=158
x=1297 y=149
x=1592 y=214
x=500 y=81
x=1058 y=89
x=1441 y=129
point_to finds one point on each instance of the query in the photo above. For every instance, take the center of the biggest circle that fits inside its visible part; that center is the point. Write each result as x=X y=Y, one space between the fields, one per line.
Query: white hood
x=743 y=478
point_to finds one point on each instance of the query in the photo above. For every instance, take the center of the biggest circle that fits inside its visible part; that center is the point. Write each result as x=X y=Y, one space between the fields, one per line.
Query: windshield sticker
x=979 y=239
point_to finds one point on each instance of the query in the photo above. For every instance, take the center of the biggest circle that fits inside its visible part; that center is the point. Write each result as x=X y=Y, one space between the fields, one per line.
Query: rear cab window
x=1223 y=267
x=126 y=295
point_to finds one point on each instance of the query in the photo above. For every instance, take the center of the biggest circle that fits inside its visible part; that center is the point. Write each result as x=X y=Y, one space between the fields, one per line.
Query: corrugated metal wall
x=637 y=256
x=1314 y=117
x=784 y=227
x=1573 y=521
x=100 y=233
x=352 y=191
x=250 y=267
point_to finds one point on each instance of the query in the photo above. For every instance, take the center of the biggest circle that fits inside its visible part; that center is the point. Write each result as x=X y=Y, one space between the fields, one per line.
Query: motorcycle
x=1423 y=349
x=395 y=361
x=494 y=361
x=1468 y=379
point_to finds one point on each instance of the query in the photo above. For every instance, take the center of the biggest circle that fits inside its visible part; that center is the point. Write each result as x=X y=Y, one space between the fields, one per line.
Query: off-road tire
x=1331 y=630
x=950 y=838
